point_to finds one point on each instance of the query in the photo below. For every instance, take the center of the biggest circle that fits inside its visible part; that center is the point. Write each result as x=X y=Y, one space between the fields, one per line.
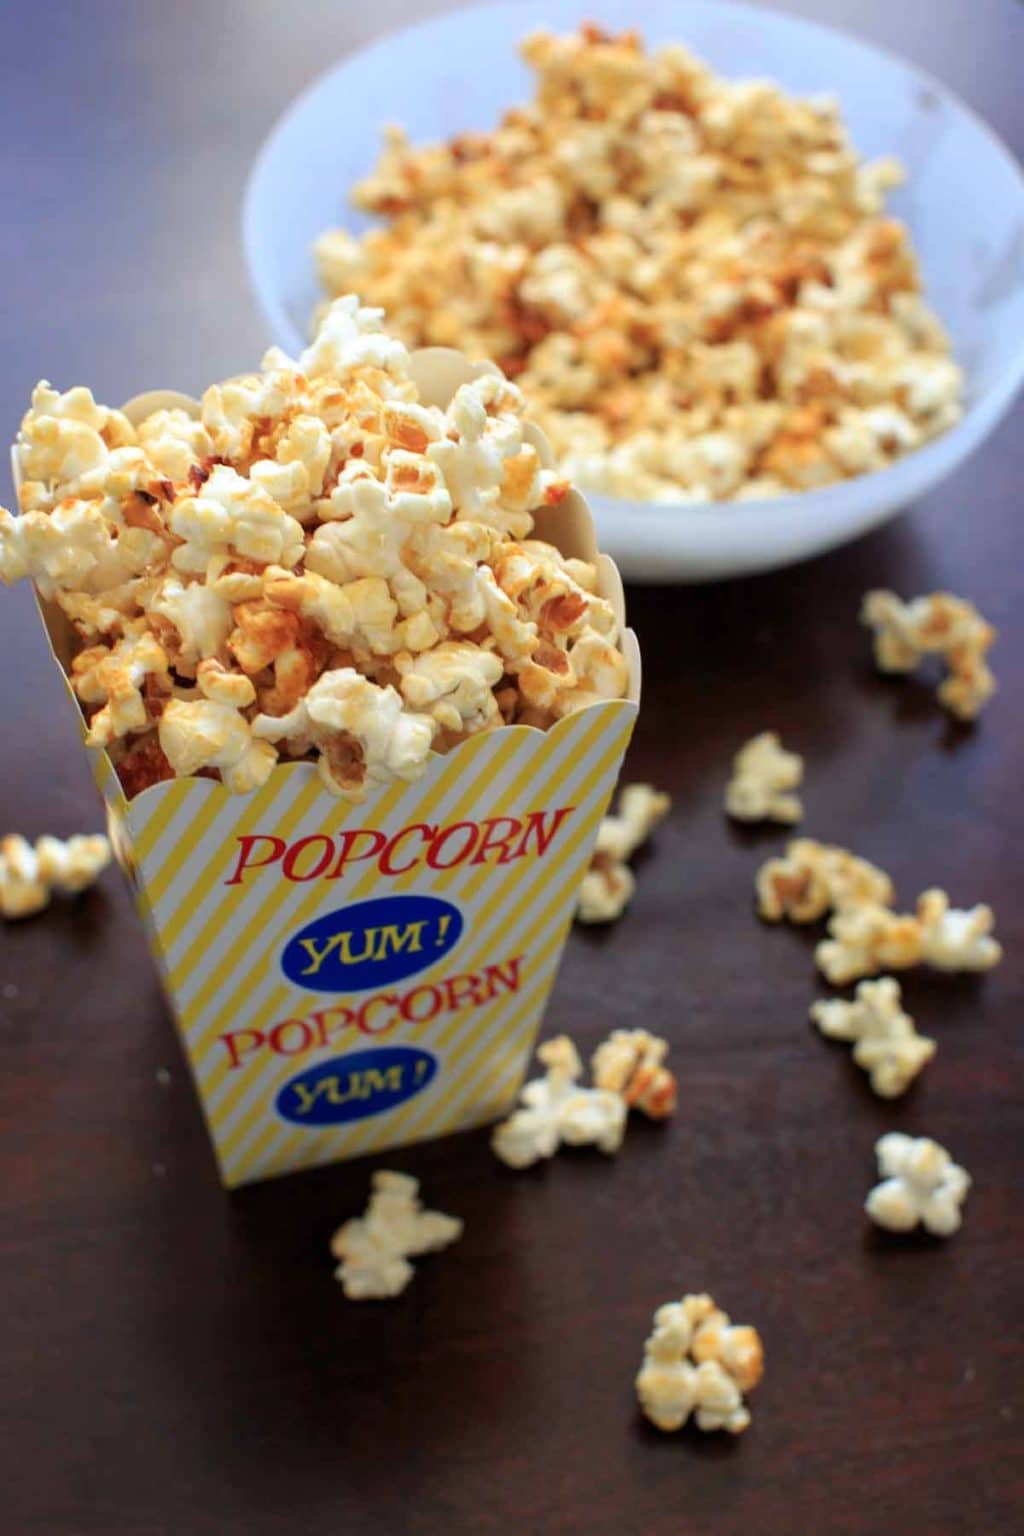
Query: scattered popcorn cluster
x=865 y=935
x=764 y=782
x=608 y=885
x=884 y=1039
x=693 y=279
x=866 y=939
x=628 y=1071
x=698 y=1362
x=921 y=1186
x=375 y=1249
x=30 y=874
x=317 y=564
x=813 y=880
x=942 y=625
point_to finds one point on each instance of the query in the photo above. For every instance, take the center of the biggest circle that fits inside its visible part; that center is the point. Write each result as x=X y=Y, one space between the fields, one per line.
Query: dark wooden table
x=176 y=1361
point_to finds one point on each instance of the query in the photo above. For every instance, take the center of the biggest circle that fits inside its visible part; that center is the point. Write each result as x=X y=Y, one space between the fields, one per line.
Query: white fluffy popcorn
x=606 y=890
x=202 y=733
x=364 y=734
x=955 y=940
x=375 y=1249
x=607 y=887
x=555 y=1109
x=764 y=782
x=938 y=624
x=697 y=1361
x=454 y=684
x=631 y=1063
x=921 y=1186
x=200 y=618
x=29 y=875
x=66 y=437
x=885 y=1042
x=233 y=515
x=116 y=680
x=338 y=567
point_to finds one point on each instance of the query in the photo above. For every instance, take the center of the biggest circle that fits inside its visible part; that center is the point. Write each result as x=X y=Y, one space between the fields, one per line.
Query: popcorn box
x=347 y=978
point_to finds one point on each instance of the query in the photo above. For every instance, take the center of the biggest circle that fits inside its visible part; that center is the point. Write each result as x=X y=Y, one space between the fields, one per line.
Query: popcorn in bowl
x=694 y=280
x=315 y=564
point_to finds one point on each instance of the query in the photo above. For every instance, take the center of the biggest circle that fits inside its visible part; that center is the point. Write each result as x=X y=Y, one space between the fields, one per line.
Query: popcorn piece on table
x=955 y=940
x=605 y=891
x=375 y=1248
x=812 y=878
x=696 y=1359
x=939 y=624
x=921 y=1186
x=764 y=779
x=320 y=564
x=868 y=938
x=608 y=885
x=556 y=1109
x=885 y=1041
x=29 y=875
x=631 y=1063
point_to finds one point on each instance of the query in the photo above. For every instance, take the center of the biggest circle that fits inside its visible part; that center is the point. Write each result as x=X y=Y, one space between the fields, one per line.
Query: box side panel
x=353 y=977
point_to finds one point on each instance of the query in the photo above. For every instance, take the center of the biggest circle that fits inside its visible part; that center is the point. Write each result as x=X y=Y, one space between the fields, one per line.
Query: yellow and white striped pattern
x=219 y=946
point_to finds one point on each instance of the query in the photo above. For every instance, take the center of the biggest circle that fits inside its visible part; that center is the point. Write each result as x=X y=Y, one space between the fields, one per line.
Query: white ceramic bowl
x=964 y=202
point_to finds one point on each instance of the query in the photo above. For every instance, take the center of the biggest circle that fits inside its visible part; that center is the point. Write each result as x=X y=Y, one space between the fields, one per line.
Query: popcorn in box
x=355 y=972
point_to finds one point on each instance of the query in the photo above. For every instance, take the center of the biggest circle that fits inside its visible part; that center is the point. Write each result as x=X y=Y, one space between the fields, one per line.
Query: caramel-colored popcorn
x=693 y=279
x=697 y=1361
x=318 y=565
x=631 y=1063
x=29 y=875
x=764 y=782
x=869 y=938
x=608 y=885
x=374 y=1249
x=813 y=878
x=942 y=625
x=885 y=1041
x=866 y=939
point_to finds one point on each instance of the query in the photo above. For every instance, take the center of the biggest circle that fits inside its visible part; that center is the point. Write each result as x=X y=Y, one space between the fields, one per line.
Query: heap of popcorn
x=317 y=564
x=693 y=280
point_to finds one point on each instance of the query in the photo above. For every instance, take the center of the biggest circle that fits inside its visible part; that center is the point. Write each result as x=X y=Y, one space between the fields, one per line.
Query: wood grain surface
x=176 y=1361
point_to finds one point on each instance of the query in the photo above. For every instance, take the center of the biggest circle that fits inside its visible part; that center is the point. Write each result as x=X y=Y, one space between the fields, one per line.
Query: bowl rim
x=979 y=417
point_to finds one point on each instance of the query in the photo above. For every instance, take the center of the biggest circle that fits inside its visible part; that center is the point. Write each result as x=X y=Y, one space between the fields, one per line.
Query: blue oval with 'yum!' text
x=372 y=943
x=355 y=1086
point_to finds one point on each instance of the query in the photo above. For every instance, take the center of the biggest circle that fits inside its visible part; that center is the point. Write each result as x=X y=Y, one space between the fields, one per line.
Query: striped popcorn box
x=346 y=977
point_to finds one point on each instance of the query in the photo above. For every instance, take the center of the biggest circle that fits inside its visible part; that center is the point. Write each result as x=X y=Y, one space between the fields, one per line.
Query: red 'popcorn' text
x=376 y=1015
x=321 y=856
